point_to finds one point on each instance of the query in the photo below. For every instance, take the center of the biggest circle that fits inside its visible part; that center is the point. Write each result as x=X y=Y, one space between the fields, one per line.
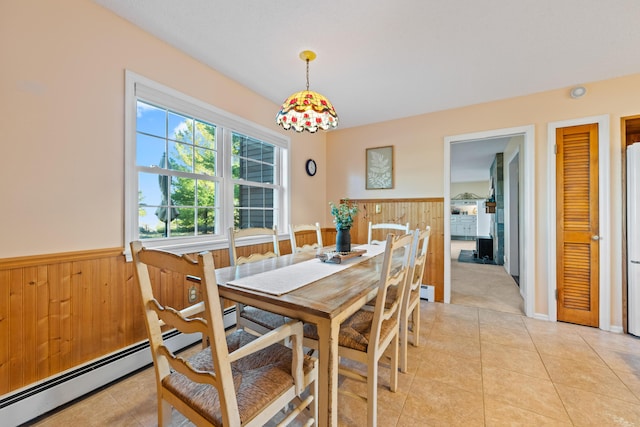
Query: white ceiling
x=380 y=60
x=471 y=160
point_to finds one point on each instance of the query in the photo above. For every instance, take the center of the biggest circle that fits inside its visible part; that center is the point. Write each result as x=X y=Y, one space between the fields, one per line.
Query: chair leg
x=393 y=381
x=404 y=337
x=164 y=413
x=416 y=325
x=239 y=308
x=372 y=394
x=313 y=389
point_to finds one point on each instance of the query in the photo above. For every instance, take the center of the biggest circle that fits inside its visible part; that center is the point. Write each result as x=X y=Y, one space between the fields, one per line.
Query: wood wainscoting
x=419 y=213
x=60 y=311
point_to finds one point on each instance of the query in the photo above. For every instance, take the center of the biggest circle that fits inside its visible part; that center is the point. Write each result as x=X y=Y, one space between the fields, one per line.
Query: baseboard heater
x=37 y=399
x=427 y=292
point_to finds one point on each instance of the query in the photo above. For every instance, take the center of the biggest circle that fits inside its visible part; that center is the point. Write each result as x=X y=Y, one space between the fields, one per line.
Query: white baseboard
x=541 y=316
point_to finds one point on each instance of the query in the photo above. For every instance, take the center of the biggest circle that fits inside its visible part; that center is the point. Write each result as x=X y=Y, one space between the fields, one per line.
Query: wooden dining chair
x=251 y=318
x=253 y=256
x=239 y=379
x=366 y=335
x=410 y=314
x=293 y=229
x=402 y=228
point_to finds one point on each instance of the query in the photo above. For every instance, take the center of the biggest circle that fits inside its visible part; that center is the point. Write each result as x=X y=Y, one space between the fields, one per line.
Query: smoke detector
x=577 y=92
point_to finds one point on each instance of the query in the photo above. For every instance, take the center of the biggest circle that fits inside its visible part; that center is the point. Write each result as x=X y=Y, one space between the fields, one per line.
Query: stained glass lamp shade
x=307 y=110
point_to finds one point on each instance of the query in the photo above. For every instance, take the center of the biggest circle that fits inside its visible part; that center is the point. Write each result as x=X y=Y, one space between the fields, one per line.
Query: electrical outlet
x=193 y=294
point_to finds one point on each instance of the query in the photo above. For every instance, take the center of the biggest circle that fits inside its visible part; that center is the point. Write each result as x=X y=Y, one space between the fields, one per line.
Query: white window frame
x=141 y=88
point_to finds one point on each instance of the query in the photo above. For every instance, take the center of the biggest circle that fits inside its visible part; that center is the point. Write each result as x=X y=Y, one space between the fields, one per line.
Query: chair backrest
x=403 y=228
x=293 y=229
x=211 y=325
x=394 y=274
x=417 y=261
x=252 y=232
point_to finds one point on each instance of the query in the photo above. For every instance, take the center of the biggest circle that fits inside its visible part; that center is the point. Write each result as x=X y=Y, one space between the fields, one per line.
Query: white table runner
x=289 y=278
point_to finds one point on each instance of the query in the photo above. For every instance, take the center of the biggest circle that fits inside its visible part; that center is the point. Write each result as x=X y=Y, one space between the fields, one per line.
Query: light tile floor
x=474 y=367
x=482 y=285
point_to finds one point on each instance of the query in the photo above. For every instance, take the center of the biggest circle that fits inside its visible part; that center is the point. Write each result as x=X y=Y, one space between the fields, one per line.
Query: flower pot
x=343 y=240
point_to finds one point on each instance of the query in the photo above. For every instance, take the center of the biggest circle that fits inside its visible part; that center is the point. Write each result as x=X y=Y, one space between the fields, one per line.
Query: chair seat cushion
x=258 y=379
x=355 y=332
x=263 y=318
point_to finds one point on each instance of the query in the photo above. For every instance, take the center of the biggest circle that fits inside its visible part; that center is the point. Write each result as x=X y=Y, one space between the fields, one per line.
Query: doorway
x=526 y=207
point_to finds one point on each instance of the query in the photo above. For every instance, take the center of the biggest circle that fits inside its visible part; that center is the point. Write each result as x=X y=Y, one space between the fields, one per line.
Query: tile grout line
x=611 y=369
x=484 y=402
x=564 y=406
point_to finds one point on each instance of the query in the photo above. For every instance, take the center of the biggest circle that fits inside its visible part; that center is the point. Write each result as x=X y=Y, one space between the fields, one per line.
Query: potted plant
x=343 y=214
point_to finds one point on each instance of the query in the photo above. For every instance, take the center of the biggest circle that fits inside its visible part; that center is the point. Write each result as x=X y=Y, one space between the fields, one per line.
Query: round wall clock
x=311 y=167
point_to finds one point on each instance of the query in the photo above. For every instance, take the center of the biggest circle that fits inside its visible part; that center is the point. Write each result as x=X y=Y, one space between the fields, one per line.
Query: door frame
x=527 y=275
x=604 y=211
x=508 y=216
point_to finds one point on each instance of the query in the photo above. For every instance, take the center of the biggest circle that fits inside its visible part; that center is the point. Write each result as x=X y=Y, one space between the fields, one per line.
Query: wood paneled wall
x=59 y=311
x=419 y=213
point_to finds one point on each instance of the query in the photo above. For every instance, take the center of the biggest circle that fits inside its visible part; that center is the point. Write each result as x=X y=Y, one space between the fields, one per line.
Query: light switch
x=378 y=208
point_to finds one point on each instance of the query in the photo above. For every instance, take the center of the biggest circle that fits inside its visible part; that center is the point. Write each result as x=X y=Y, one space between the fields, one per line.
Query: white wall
x=480 y=188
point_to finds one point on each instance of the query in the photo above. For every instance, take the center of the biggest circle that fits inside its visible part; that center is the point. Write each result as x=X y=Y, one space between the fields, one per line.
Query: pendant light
x=307 y=110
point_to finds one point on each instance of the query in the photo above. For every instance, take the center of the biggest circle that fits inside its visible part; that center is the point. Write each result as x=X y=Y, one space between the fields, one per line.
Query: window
x=253 y=171
x=193 y=171
x=176 y=165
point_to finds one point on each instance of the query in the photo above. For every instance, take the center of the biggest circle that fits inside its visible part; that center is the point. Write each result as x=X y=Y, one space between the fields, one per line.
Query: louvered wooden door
x=577 y=224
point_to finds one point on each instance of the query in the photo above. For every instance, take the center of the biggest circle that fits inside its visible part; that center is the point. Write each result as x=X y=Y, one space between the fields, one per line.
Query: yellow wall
x=419 y=157
x=62 y=115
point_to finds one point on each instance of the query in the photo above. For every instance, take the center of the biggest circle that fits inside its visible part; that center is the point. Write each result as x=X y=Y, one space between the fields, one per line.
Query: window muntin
x=176 y=160
x=254 y=206
x=252 y=160
x=197 y=171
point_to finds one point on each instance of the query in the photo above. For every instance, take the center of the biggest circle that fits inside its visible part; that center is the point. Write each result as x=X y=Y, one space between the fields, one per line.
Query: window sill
x=190 y=246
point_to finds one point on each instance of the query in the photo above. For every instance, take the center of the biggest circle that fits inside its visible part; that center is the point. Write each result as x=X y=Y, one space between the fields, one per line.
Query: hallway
x=482 y=285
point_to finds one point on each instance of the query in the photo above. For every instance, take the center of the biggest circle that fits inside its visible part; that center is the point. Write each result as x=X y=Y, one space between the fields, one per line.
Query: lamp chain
x=307 y=74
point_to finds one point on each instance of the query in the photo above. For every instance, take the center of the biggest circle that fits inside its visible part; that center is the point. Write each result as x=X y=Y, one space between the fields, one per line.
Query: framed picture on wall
x=379 y=168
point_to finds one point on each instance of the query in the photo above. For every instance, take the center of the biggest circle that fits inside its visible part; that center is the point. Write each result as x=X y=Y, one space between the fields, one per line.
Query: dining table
x=302 y=286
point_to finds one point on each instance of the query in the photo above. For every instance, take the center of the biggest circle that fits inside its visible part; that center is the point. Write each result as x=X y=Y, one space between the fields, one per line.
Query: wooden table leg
x=328 y=373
